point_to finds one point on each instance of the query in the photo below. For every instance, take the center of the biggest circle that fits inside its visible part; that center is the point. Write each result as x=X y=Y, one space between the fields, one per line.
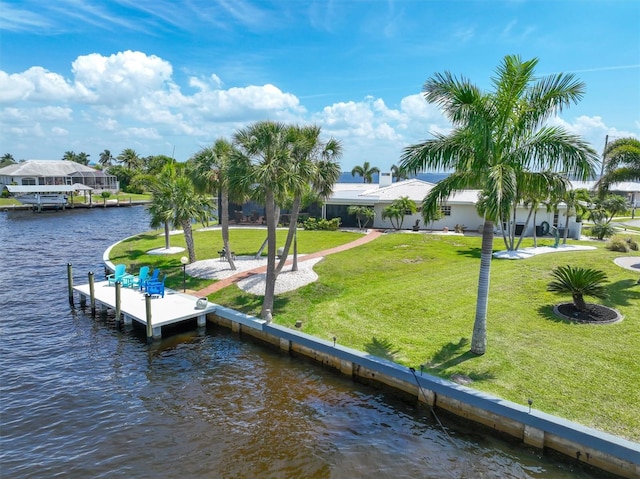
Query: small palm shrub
x=602 y=230
x=578 y=282
x=622 y=244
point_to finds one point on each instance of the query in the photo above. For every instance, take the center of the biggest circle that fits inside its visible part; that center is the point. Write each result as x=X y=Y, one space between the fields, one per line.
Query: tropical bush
x=578 y=282
x=622 y=244
x=314 y=224
x=602 y=230
x=363 y=214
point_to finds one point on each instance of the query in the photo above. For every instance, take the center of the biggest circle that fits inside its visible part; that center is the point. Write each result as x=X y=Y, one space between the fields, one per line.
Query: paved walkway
x=212 y=288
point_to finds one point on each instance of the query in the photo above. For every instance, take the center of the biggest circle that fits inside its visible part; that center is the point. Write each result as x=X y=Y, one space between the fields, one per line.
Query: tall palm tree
x=366 y=171
x=260 y=166
x=496 y=136
x=622 y=159
x=318 y=161
x=210 y=168
x=274 y=163
x=129 y=158
x=106 y=159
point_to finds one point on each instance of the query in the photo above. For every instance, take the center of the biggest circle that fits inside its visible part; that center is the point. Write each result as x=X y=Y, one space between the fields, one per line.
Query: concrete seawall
x=535 y=428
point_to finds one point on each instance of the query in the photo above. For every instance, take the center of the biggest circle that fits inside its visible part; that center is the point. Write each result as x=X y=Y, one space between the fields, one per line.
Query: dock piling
x=118 y=296
x=147 y=300
x=92 y=295
x=70 y=282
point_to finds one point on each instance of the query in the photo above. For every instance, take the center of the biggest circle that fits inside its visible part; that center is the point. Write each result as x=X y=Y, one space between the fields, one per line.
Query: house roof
x=622 y=187
x=49 y=168
x=415 y=189
x=370 y=194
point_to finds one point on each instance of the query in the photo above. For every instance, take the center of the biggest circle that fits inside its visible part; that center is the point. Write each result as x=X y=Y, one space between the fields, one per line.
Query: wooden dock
x=175 y=307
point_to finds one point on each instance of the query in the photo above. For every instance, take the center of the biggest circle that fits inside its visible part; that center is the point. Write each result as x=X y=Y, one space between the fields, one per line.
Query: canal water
x=83 y=399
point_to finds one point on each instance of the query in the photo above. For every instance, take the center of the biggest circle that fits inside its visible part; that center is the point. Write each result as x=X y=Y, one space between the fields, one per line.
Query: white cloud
x=131 y=100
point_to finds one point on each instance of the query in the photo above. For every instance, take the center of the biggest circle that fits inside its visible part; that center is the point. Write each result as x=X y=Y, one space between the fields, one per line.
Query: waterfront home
x=57 y=173
x=458 y=209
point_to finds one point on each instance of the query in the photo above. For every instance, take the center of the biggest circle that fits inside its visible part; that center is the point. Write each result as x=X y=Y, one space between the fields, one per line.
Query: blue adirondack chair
x=154 y=277
x=118 y=274
x=156 y=287
x=139 y=280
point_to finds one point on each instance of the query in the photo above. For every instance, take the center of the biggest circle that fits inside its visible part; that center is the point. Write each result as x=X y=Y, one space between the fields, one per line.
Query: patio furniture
x=156 y=288
x=139 y=280
x=154 y=277
x=119 y=274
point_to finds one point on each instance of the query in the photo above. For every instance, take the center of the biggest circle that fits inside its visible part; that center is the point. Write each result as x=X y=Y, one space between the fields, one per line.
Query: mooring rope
x=433 y=411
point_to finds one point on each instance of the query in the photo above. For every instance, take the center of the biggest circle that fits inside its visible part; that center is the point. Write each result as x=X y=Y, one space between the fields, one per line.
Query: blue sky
x=169 y=77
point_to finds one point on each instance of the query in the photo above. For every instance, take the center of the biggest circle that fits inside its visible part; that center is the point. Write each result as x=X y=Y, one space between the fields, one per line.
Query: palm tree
x=397 y=210
x=366 y=171
x=398 y=173
x=210 y=165
x=69 y=156
x=82 y=158
x=274 y=163
x=320 y=164
x=7 y=158
x=129 y=158
x=187 y=205
x=106 y=159
x=363 y=214
x=622 y=158
x=578 y=282
x=260 y=167
x=496 y=136
x=175 y=201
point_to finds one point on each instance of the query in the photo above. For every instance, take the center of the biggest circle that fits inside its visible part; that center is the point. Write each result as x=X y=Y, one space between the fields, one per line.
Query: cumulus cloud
x=131 y=100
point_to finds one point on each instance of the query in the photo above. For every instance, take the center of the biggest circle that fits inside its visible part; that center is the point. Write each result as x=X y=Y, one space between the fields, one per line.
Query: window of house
x=446 y=210
x=28 y=181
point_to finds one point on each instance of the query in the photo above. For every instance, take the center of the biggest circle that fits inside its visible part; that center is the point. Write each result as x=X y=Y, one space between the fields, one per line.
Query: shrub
x=578 y=282
x=314 y=224
x=602 y=230
x=622 y=244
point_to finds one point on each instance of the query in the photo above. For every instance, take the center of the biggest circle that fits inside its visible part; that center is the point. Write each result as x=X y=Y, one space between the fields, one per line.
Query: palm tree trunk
x=479 y=338
x=270 y=283
x=264 y=243
x=526 y=223
x=578 y=301
x=295 y=209
x=224 y=220
x=294 y=264
x=188 y=239
x=535 y=238
x=167 y=235
x=566 y=228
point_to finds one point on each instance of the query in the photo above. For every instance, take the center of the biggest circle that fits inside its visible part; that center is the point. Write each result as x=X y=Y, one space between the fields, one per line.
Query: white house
x=57 y=173
x=459 y=209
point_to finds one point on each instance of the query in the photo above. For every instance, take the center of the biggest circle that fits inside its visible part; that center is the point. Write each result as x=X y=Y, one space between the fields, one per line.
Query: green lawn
x=411 y=298
x=244 y=241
